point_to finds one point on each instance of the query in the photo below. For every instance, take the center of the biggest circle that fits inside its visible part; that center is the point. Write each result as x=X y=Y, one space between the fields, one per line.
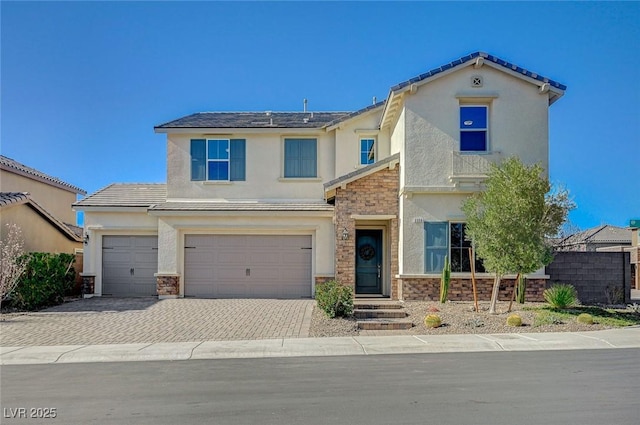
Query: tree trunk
x=494 y=294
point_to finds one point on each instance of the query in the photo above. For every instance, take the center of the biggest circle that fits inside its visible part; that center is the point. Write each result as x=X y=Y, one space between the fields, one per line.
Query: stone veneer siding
x=88 y=284
x=375 y=194
x=168 y=285
x=461 y=289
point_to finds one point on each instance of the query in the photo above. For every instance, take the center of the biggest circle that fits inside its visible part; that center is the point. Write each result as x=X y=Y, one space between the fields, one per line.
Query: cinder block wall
x=592 y=274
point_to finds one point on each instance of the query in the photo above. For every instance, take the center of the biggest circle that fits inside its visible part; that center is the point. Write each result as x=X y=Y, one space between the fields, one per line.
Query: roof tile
x=13 y=165
x=126 y=195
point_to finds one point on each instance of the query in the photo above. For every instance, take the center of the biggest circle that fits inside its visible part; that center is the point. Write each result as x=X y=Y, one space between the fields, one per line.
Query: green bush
x=561 y=295
x=46 y=280
x=334 y=299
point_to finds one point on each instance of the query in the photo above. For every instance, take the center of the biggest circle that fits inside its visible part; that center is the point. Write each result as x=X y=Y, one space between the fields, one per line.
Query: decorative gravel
x=457 y=318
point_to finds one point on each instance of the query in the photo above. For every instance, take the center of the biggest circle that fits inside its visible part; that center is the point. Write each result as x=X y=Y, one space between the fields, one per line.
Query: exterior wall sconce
x=345 y=234
x=86 y=239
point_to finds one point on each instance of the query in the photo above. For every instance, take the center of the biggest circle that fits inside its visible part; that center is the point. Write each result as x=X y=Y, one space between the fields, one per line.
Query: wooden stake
x=473 y=279
x=513 y=295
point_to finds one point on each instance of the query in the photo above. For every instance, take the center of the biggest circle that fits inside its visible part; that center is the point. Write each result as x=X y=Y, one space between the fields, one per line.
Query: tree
x=510 y=221
x=11 y=262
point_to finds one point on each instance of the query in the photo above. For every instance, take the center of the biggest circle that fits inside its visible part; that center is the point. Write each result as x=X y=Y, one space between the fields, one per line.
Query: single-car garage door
x=128 y=265
x=247 y=266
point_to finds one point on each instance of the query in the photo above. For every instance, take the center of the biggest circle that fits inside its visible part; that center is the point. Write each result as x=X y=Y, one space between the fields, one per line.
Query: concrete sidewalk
x=298 y=347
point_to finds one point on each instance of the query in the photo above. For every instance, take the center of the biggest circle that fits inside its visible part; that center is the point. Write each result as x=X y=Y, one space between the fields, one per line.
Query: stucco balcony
x=471 y=167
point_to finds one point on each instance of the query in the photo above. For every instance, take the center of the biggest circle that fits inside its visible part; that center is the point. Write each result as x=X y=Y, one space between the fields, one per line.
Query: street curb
x=340 y=346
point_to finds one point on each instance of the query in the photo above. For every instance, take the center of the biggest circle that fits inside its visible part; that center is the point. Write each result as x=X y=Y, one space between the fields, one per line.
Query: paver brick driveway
x=149 y=320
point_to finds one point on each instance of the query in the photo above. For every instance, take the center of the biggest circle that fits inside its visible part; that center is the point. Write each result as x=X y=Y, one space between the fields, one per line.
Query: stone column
x=168 y=285
x=88 y=285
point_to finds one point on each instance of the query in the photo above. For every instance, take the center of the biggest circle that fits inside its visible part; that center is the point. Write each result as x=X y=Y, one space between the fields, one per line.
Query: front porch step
x=384 y=324
x=378 y=305
x=378 y=313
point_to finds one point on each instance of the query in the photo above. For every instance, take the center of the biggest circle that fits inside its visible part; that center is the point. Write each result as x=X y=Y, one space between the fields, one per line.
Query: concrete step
x=379 y=313
x=384 y=324
x=384 y=305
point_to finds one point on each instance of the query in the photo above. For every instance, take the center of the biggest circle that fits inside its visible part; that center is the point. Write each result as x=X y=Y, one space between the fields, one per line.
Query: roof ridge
x=474 y=55
x=46 y=178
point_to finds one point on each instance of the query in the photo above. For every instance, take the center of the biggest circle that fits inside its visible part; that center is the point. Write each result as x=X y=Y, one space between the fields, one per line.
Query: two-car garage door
x=247 y=266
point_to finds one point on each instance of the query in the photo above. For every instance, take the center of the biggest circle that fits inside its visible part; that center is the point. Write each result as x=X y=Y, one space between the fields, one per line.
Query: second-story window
x=218 y=159
x=300 y=158
x=474 y=126
x=367 y=151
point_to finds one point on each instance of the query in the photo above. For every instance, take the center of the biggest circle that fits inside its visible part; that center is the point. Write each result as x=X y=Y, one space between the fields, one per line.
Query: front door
x=368 y=261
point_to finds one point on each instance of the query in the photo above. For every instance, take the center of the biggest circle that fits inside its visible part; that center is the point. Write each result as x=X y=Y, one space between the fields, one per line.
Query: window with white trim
x=300 y=158
x=474 y=128
x=448 y=239
x=218 y=159
x=367 y=151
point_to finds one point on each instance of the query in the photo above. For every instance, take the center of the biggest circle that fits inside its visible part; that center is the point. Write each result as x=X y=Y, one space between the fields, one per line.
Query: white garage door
x=247 y=266
x=128 y=265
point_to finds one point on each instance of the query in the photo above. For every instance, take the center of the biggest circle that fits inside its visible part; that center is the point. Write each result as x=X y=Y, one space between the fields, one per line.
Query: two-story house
x=40 y=205
x=269 y=204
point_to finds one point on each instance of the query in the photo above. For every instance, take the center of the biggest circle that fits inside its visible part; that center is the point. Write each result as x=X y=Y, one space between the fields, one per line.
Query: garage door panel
x=129 y=264
x=230 y=273
x=116 y=242
x=231 y=257
x=279 y=266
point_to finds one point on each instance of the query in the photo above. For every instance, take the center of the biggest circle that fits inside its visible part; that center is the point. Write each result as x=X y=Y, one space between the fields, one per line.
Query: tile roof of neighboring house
x=18 y=168
x=77 y=230
x=7 y=199
x=600 y=234
x=494 y=59
x=364 y=171
x=126 y=195
x=255 y=120
x=242 y=206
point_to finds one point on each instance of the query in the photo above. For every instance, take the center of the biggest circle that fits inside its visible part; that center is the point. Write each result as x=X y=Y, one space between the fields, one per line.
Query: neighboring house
x=604 y=237
x=41 y=206
x=269 y=204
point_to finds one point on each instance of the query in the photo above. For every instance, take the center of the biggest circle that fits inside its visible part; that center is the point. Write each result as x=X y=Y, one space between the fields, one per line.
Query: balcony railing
x=471 y=168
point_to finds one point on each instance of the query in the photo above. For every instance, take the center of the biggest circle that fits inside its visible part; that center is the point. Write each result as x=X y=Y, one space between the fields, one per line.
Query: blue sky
x=83 y=83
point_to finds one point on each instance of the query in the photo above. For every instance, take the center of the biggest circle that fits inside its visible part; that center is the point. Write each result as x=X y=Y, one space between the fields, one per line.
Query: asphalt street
x=541 y=387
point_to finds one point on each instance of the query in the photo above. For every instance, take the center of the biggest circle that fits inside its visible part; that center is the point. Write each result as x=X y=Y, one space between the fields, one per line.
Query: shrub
x=45 y=281
x=432 y=321
x=634 y=308
x=614 y=294
x=334 y=299
x=514 y=320
x=12 y=263
x=585 y=318
x=561 y=295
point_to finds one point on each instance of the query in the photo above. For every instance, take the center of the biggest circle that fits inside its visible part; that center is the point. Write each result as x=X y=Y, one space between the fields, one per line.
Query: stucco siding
x=518 y=122
x=38 y=234
x=264 y=169
x=348 y=137
x=53 y=199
